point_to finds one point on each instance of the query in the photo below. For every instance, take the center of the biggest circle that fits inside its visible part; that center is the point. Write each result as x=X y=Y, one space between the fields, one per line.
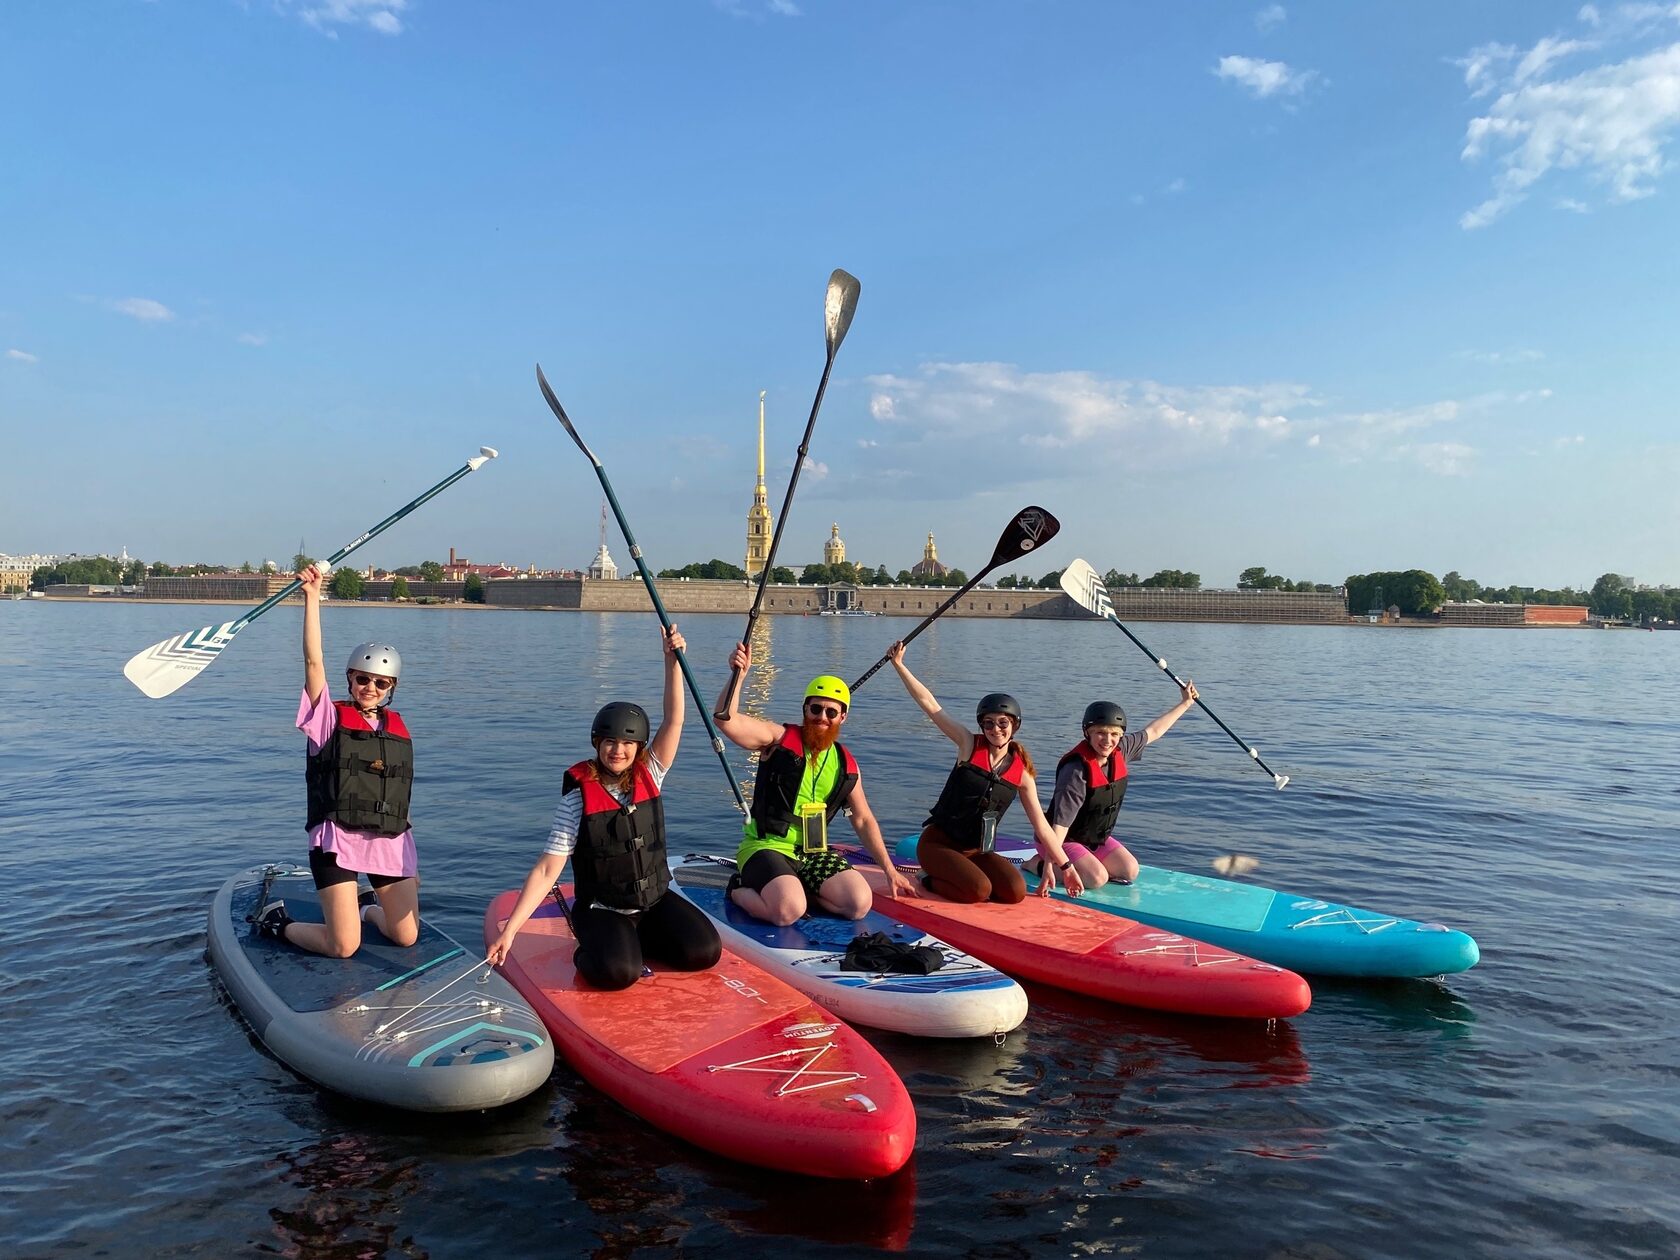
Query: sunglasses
x=996 y=724
x=829 y=711
x=363 y=680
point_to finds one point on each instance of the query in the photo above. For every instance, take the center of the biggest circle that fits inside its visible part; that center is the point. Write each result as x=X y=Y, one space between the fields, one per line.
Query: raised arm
x=664 y=745
x=743 y=729
x=314 y=663
x=954 y=730
x=1161 y=725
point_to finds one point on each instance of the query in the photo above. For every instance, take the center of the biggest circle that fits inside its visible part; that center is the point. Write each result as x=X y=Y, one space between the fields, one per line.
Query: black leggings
x=611 y=946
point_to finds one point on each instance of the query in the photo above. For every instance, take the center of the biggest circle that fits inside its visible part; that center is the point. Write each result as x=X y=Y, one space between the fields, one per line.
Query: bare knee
x=404 y=935
x=342 y=946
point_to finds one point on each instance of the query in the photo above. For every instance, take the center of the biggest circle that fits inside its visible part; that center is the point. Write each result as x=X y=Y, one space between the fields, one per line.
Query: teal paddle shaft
x=647 y=581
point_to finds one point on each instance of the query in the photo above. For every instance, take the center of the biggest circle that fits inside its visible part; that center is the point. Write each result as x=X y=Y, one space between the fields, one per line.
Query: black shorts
x=813 y=871
x=327 y=872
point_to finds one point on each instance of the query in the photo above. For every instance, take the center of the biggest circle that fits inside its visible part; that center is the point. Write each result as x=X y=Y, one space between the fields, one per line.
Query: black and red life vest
x=781 y=771
x=973 y=789
x=362 y=778
x=1105 y=789
x=620 y=857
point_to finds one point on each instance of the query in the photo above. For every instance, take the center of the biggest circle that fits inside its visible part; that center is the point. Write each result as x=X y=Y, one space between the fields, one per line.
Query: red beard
x=819 y=737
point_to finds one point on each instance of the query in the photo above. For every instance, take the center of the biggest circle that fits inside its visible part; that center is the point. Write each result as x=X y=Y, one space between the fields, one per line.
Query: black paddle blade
x=841 y=305
x=1031 y=528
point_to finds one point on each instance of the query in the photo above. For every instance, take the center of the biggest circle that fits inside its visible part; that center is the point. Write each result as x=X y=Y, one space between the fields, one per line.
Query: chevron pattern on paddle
x=165 y=667
x=1082 y=582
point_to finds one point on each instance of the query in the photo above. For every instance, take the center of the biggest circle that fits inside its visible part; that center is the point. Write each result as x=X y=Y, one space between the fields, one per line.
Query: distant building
x=758 y=515
x=459 y=567
x=928 y=566
x=834 y=550
x=15 y=571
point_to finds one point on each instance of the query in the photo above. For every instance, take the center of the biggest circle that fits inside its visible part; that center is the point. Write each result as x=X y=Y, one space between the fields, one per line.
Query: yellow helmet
x=830 y=688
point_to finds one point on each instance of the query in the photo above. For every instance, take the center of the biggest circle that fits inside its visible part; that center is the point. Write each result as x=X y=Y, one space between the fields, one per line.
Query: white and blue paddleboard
x=1303 y=934
x=426 y=1028
x=964 y=998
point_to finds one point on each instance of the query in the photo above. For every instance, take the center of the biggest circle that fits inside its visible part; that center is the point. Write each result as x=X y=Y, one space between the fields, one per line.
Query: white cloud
x=1564 y=443
x=815 y=467
x=253 y=339
x=867 y=444
x=957 y=417
x=1500 y=357
x=1270 y=18
x=881 y=406
x=1265 y=78
x=22 y=356
x=325 y=15
x=143 y=309
x=1176 y=186
x=1611 y=121
x=1589 y=14
x=749 y=9
x=1447 y=459
x=1573 y=206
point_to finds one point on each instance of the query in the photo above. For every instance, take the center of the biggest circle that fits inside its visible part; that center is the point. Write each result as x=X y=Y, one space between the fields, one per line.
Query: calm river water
x=1523 y=786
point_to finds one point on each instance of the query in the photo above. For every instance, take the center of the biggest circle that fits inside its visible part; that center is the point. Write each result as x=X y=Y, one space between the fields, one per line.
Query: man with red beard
x=782 y=871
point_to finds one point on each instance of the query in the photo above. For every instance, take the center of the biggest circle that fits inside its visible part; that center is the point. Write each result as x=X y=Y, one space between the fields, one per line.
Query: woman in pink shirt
x=360 y=771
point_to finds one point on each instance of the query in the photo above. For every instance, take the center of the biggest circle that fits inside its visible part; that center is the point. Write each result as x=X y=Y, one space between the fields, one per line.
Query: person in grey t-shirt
x=1091 y=784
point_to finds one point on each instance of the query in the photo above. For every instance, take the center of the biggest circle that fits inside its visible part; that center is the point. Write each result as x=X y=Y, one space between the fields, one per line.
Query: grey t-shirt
x=1070 y=781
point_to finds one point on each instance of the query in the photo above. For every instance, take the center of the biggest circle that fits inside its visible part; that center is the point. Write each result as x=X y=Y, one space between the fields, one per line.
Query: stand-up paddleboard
x=1302 y=933
x=730 y=1059
x=1086 y=951
x=964 y=998
x=427 y=1028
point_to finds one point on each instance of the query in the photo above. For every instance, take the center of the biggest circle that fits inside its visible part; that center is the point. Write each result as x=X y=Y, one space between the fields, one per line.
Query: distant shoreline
x=1404 y=623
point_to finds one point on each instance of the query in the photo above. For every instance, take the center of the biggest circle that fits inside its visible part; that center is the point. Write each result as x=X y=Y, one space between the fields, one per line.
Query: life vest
x=973 y=789
x=362 y=778
x=1105 y=789
x=620 y=856
x=781 y=771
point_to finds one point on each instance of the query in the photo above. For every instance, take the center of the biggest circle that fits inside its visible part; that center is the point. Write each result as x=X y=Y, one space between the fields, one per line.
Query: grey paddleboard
x=425 y=1028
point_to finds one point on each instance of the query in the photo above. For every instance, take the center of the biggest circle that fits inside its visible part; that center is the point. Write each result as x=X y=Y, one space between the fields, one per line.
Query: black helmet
x=1103 y=713
x=620 y=720
x=999 y=702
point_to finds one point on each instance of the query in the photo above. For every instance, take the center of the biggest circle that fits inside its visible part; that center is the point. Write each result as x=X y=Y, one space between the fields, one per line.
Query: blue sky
x=1326 y=288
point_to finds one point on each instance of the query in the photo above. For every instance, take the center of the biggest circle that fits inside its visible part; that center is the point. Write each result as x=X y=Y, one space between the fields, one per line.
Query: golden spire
x=758 y=515
x=760 y=490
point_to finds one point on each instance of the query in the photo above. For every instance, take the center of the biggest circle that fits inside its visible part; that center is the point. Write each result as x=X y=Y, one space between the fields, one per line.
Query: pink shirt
x=355 y=850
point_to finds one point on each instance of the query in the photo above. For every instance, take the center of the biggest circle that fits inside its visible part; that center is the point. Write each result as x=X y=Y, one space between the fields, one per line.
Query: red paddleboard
x=730 y=1059
x=1101 y=955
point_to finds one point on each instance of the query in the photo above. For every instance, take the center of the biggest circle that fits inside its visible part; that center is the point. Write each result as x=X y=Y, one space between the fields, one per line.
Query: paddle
x=647 y=581
x=1086 y=589
x=838 y=309
x=166 y=667
x=1031 y=528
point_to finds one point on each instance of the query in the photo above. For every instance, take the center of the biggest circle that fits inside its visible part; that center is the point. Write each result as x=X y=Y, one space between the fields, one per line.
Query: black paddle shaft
x=1031 y=529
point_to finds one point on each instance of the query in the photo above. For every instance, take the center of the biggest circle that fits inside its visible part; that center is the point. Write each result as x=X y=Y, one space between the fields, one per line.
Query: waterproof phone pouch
x=813 y=827
x=988 y=831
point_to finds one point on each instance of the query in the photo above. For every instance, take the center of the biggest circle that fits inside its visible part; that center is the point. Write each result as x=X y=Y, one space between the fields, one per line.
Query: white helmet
x=377 y=658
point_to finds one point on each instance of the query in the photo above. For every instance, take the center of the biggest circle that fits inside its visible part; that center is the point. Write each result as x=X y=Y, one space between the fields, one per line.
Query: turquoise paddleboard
x=1304 y=934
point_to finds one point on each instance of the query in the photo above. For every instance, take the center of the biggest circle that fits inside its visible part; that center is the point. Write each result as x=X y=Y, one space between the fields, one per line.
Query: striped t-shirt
x=563 y=831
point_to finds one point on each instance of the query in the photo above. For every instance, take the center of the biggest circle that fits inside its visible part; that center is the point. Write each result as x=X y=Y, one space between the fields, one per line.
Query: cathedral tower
x=834 y=550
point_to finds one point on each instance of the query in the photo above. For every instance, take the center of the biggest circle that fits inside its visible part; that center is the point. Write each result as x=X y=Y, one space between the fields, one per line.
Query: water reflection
x=647 y=1191
x=354 y=1194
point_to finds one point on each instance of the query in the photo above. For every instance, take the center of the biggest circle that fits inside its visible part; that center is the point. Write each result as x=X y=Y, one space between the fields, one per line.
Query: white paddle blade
x=1084 y=586
x=1235 y=864
x=164 y=668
